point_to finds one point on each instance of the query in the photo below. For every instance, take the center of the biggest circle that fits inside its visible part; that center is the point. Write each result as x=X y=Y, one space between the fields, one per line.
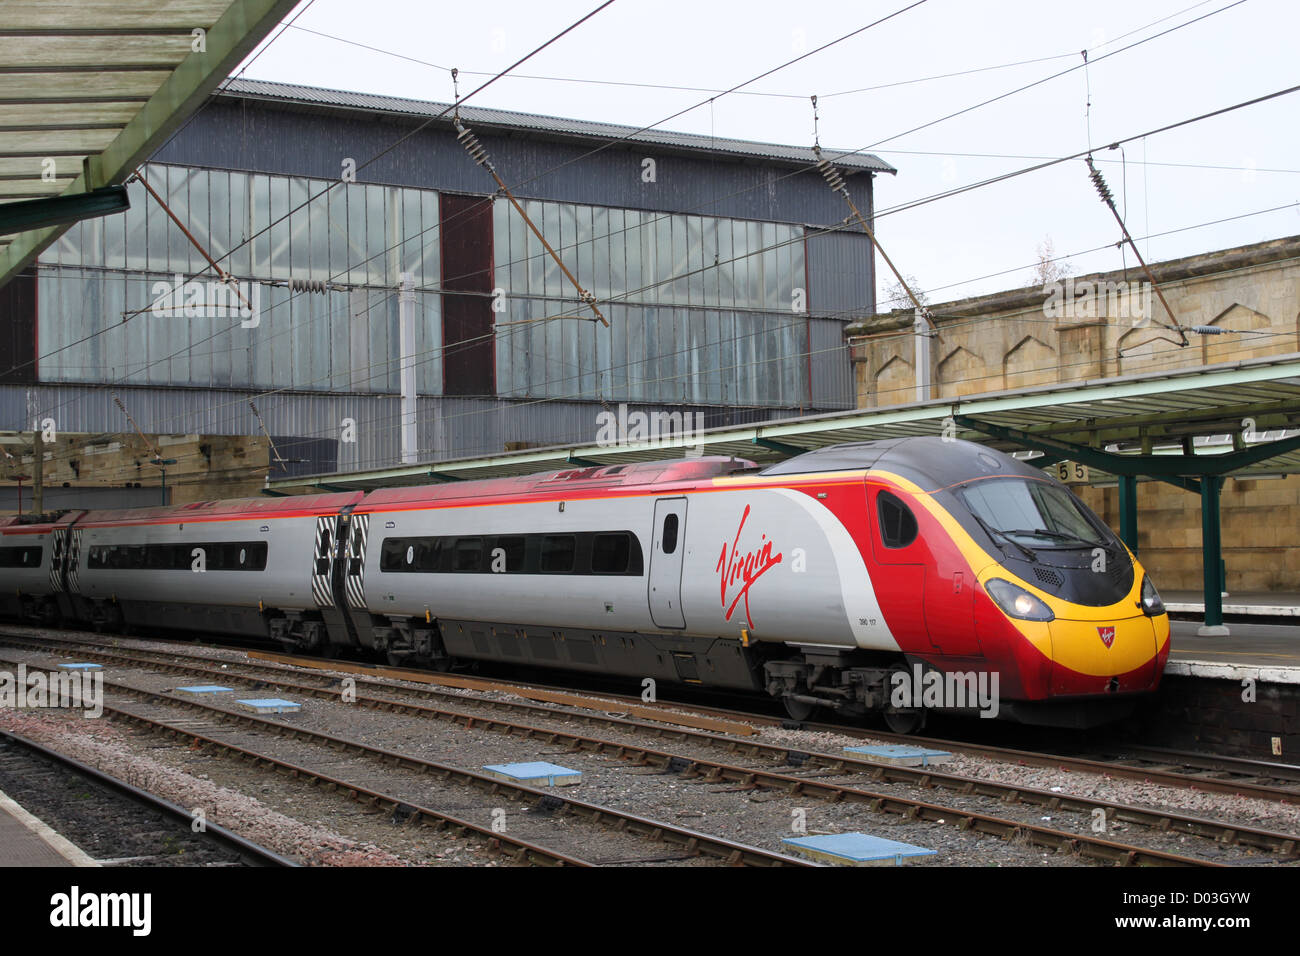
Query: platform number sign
x=1072 y=472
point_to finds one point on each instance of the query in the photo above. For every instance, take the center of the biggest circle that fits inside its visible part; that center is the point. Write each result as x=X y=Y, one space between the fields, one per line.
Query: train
x=899 y=577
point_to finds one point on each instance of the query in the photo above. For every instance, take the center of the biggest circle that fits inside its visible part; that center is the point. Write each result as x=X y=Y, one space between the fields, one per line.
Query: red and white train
x=817 y=580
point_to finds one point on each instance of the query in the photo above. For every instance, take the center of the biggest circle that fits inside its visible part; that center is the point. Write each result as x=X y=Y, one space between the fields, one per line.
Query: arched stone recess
x=1030 y=362
x=894 y=383
x=1143 y=348
x=962 y=372
x=1230 y=347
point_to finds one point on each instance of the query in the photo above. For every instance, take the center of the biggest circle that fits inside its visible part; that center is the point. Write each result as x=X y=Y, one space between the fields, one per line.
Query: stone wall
x=1109 y=324
x=206 y=466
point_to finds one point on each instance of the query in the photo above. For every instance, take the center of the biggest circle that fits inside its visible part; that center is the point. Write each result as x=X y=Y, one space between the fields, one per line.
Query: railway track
x=144 y=829
x=688 y=843
x=795 y=783
x=1199 y=772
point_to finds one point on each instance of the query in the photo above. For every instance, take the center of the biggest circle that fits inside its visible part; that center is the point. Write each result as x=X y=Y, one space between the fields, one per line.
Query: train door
x=327 y=576
x=666 y=554
x=900 y=559
x=354 y=578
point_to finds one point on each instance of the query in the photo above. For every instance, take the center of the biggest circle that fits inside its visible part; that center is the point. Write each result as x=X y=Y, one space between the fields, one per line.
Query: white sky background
x=1234 y=55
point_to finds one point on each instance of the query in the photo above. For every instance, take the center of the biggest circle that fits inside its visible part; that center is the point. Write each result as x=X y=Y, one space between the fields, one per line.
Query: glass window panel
x=431 y=239
x=631 y=241
x=584 y=254
x=240 y=261
x=376 y=251
x=519 y=269
x=600 y=255
x=259 y=188
x=695 y=259
x=681 y=260
x=741 y=264
x=617 y=254
x=158 y=226
x=318 y=254
x=68 y=248
x=550 y=225
x=709 y=258
x=564 y=240
x=281 y=230
x=356 y=236
x=726 y=269
x=753 y=246
x=636 y=321
x=771 y=268
x=535 y=252
x=113 y=285
x=176 y=188
x=134 y=223
x=299 y=229
x=663 y=259
x=115 y=241
x=800 y=278
x=337 y=200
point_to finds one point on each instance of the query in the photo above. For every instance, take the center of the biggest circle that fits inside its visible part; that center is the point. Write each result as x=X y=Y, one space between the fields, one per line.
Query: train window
x=468 y=555
x=515 y=547
x=611 y=553
x=670 y=534
x=323 y=550
x=897 y=523
x=557 y=553
x=23 y=557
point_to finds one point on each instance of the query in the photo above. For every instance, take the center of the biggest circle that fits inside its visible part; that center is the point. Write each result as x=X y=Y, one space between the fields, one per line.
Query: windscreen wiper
x=997 y=533
x=1059 y=535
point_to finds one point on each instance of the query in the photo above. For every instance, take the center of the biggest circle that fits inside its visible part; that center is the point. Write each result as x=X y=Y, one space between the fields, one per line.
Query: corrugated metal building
x=708 y=256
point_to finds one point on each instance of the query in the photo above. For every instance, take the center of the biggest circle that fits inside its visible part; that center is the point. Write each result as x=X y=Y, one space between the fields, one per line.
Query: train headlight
x=1017 y=602
x=1152 y=606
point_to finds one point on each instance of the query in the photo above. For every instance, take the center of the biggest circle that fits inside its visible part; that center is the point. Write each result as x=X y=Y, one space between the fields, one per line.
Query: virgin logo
x=739 y=571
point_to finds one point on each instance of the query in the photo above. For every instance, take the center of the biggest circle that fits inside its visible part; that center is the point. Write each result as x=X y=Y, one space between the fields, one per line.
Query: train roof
x=930 y=462
x=581 y=479
x=229 y=508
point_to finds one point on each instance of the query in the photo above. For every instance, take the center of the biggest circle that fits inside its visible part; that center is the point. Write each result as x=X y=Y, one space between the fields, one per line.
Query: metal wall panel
x=841 y=275
x=277 y=139
x=831 y=367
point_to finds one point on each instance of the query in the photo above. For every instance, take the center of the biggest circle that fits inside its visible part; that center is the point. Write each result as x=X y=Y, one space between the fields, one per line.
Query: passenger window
x=557 y=553
x=897 y=523
x=469 y=554
x=611 y=553
x=670 y=534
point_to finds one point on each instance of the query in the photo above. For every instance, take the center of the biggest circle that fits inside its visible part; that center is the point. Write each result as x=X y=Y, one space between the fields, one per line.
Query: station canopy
x=1172 y=426
x=89 y=89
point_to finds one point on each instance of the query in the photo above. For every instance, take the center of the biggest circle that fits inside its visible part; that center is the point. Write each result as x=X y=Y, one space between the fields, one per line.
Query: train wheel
x=905 y=721
x=798 y=709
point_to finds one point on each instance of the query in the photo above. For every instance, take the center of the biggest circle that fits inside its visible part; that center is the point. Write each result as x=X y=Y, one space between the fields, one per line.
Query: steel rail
x=245 y=847
x=1159 y=819
x=692 y=841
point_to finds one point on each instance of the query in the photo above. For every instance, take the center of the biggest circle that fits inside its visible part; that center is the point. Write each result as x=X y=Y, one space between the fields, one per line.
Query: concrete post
x=406 y=347
x=921 y=335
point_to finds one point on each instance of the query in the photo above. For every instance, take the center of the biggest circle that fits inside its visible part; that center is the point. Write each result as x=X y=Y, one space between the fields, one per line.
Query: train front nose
x=1107 y=655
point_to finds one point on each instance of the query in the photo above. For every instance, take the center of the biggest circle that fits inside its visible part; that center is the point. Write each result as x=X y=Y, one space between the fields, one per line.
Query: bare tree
x=896 y=296
x=1048 y=269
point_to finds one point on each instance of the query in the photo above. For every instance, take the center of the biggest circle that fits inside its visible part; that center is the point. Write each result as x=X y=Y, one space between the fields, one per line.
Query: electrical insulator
x=832 y=176
x=1102 y=189
x=472 y=145
x=308 y=285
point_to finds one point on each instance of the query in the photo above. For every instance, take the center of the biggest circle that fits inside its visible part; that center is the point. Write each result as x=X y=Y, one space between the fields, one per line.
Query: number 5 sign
x=1072 y=472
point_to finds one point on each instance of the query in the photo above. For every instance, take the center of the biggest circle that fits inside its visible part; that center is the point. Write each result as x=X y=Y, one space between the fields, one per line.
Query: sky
x=628 y=63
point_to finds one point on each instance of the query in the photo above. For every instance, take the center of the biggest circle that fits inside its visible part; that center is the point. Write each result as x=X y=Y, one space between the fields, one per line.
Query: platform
x=1265 y=652
x=26 y=841
x=1244 y=603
